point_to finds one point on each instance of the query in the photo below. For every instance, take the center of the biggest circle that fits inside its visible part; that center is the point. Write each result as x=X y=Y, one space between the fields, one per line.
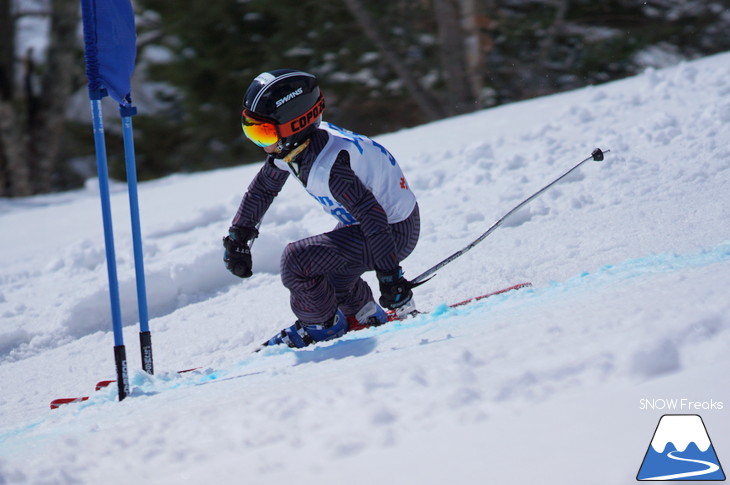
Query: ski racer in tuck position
x=356 y=180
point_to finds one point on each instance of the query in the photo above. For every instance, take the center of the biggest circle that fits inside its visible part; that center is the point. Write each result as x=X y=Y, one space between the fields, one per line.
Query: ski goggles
x=264 y=132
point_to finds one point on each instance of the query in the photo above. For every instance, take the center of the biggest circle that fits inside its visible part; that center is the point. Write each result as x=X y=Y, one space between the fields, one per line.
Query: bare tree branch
x=424 y=99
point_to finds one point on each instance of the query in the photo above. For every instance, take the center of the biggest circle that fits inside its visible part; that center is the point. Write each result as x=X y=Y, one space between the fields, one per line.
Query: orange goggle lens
x=260 y=132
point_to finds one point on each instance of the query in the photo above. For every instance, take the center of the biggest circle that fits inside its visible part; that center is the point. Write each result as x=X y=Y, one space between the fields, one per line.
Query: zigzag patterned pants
x=324 y=272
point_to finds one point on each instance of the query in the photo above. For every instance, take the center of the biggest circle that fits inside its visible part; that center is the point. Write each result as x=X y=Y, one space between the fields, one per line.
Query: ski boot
x=370 y=315
x=302 y=334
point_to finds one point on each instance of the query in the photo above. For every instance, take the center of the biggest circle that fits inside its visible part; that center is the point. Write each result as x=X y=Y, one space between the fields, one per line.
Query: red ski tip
x=188 y=370
x=56 y=403
x=102 y=384
x=494 y=293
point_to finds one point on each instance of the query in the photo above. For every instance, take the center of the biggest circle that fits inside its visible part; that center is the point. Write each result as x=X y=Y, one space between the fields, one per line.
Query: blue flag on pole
x=110 y=47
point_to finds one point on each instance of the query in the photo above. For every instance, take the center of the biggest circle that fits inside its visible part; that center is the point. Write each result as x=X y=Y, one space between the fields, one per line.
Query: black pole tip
x=597 y=155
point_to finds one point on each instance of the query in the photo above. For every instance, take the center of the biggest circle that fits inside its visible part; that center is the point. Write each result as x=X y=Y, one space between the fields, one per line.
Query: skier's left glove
x=395 y=291
x=237 y=254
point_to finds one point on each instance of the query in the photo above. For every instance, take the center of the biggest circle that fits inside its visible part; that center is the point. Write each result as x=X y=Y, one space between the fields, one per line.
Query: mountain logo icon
x=680 y=450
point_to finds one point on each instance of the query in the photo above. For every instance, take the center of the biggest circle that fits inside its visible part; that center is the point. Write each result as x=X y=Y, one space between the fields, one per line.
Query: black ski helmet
x=289 y=99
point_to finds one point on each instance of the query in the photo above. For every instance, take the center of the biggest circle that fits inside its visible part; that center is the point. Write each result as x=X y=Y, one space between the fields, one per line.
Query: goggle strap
x=301 y=122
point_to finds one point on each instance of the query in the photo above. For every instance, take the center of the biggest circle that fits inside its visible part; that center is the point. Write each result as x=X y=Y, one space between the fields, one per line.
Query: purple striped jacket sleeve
x=265 y=186
x=349 y=191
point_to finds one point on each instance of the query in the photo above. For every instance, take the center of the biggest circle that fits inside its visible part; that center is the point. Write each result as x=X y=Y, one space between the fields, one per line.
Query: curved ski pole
x=596 y=155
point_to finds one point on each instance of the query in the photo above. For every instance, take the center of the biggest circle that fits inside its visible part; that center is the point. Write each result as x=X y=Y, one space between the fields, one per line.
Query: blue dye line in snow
x=646 y=266
x=19 y=431
x=655 y=264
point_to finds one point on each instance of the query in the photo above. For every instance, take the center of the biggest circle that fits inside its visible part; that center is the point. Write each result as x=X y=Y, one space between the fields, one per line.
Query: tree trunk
x=13 y=159
x=424 y=99
x=7 y=50
x=14 y=177
x=7 y=47
x=477 y=43
x=458 y=74
x=32 y=122
x=47 y=130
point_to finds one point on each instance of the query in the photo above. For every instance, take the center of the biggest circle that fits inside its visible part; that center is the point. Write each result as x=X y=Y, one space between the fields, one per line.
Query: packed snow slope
x=563 y=383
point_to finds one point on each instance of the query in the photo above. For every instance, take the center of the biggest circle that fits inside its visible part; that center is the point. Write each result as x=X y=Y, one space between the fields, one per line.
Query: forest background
x=383 y=66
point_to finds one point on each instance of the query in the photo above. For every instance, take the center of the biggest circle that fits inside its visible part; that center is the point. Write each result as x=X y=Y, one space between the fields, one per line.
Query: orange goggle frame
x=264 y=132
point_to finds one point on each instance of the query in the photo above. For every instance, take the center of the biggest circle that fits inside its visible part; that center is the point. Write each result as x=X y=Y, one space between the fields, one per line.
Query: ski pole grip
x=597 y=154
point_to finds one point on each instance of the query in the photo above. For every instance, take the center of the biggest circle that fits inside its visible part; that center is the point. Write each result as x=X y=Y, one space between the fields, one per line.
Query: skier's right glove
x=237 y=254
x=395 y=290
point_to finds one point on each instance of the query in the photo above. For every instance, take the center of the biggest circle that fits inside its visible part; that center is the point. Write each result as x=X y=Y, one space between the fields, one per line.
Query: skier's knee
x=291 y=259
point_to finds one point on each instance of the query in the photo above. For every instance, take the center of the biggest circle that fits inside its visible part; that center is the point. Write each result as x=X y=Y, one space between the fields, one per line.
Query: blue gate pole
x=145 y=337
x=120 y=356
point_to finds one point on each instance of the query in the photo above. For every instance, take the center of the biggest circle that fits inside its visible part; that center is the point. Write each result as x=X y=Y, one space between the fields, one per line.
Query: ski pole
x=596 y=155
x=120 y=353
x=145 y=337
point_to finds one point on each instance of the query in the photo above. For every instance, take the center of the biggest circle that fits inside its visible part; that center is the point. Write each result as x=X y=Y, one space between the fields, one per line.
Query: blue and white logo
x=681 y=450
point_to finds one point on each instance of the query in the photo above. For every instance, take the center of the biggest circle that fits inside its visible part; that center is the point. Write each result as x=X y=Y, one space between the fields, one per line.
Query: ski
x=392 y=316
x=494 y=293
x=56 y=403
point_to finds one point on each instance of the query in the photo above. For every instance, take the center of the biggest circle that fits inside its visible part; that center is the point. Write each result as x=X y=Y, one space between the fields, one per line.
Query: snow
x=629 y=260
x=688 y=428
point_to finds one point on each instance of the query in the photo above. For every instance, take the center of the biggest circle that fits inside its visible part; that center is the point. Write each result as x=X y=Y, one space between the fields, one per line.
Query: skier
x=356 y=180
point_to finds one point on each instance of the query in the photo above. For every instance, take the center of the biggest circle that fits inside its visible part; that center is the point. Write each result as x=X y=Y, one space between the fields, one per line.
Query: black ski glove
x=395 y=291
x=237 y=254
